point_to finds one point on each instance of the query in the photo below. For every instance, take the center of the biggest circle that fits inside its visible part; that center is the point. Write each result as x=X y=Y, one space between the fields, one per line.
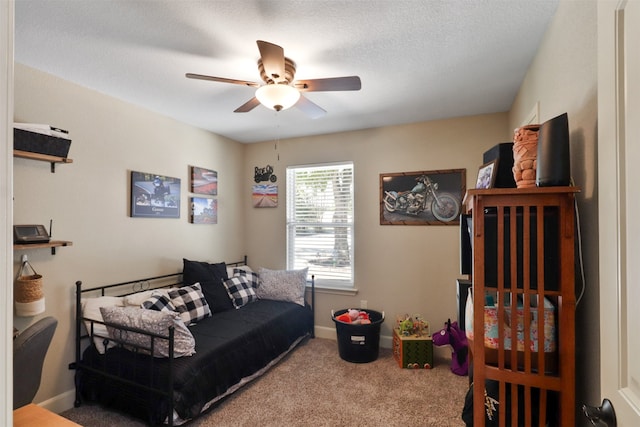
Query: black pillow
x=211 y=278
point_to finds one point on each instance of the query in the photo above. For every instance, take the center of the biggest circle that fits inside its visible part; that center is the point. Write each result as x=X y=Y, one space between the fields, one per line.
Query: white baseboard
x=60 y=402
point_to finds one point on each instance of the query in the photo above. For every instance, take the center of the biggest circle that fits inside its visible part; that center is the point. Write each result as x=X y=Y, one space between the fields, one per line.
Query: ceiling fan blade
x=273 y=60
x=330 y=84
x=247 y=106
x=310 y=108
x=221 y=80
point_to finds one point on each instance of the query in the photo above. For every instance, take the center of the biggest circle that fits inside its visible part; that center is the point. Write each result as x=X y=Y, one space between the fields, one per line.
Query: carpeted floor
x=313 y=386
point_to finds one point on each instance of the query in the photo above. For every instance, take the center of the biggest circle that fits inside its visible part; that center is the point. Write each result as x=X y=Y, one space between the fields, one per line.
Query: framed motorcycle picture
x=422 y=197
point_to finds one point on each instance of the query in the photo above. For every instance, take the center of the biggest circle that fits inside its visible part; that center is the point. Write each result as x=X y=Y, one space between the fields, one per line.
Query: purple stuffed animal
x=452 y=335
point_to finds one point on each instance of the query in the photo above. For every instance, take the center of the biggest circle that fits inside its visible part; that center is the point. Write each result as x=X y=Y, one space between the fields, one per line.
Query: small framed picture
x=204 y=181
x=487 y=175
x=204 y=210
x=265 y=196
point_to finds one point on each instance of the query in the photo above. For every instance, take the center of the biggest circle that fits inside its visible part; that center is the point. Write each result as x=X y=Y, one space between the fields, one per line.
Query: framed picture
x=204 y=211
x=487 y=175
x=265 y=196
x=154 y=195
x=422 y=198
x=204 y=181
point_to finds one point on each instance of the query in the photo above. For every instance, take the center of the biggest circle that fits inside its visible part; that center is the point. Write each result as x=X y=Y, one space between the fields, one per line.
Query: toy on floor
x=415 y=325
x=355 y=317
x=452 y=335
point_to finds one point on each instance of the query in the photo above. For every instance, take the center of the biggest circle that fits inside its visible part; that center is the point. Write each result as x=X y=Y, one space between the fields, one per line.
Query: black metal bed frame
x=124 y=289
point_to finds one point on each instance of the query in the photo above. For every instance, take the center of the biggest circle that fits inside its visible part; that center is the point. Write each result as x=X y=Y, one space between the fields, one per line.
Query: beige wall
x=563 y=78
x=398 y=269
x=88 y=200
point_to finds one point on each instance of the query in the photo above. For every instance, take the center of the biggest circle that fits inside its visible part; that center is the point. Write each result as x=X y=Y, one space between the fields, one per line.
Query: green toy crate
x=413 y=352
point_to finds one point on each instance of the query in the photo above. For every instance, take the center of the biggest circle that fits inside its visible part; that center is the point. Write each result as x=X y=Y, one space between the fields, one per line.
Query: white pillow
x=282 y=285
x=91 y=310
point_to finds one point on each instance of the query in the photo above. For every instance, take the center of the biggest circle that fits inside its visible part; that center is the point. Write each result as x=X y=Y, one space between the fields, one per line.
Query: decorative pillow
x=253 y=278
x=240 y=290
x=91 y=310
x=282 y=285
x=210 y=277
x=231 y=270
x=159 y=302
x=138 y=298
x=190 y=302
x=153 y=322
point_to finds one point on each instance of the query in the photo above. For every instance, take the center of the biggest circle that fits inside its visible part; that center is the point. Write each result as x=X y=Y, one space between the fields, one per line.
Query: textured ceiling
x=418 y=60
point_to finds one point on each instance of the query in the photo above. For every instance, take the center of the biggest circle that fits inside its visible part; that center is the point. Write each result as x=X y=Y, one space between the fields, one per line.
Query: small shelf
x=42 y=157
x=53 y=244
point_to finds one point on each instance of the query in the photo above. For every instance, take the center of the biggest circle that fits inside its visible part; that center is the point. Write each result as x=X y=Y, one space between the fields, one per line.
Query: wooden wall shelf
x=42 y=157
x=53 y=244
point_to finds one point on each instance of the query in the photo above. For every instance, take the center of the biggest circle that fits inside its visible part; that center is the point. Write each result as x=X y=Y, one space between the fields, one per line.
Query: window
x=320 y=222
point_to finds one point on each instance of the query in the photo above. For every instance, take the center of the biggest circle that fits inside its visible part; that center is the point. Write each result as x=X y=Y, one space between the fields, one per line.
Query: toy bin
x=359 y=343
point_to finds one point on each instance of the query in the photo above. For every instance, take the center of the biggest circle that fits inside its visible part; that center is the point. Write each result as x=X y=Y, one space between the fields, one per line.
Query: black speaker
x=554 y=167
x=504 y=153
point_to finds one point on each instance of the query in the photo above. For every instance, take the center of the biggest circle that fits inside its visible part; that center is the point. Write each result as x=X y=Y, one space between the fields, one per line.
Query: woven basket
x=29 y=288
x=28 y=292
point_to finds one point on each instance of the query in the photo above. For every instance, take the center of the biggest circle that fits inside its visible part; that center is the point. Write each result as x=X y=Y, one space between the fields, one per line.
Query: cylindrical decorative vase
x=525 y=151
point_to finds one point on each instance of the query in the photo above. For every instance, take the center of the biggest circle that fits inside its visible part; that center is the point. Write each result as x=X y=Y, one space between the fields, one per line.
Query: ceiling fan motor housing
x=289 y=73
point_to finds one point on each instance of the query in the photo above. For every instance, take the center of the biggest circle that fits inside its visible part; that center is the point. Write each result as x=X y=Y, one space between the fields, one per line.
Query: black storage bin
x=34 y=142
x=359 y=343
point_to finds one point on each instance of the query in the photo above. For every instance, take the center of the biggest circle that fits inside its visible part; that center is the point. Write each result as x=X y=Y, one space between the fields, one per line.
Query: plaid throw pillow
x=190 y=303
x=158 y=302
x=253 y=278
x=240 y=290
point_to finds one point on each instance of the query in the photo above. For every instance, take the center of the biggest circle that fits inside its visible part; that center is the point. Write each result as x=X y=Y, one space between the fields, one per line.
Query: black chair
x=29 y=350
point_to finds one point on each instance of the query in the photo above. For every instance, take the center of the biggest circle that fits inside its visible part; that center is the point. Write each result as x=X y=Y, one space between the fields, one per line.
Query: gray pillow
x=157 y=322
x=282 y=285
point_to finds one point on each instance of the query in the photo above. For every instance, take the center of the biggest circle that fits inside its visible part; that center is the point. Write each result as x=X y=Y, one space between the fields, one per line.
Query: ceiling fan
x=279 y=90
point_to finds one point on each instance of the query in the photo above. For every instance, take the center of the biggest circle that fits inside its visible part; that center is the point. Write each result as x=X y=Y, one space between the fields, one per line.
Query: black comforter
x=230 y=346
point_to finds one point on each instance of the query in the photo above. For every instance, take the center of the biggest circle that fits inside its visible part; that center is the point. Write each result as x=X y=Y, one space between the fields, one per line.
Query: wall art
x=154 y=196
x=204 y=181
x=422 y=198
x=264 y=174
x=265 y=196
x=204 y=211
x=487 y=174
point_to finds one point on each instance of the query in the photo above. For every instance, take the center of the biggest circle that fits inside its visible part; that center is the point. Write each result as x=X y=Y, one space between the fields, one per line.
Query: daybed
x=148 y=363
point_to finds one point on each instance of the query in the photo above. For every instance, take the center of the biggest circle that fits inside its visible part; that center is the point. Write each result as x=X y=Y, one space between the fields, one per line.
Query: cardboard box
x=39 y=143
x=412 y=352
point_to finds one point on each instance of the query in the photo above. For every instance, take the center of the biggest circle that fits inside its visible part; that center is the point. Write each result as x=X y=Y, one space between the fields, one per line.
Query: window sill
x=334 y=291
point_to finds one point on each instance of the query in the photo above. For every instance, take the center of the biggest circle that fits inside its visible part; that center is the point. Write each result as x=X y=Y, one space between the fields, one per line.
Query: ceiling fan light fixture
x=277 y=96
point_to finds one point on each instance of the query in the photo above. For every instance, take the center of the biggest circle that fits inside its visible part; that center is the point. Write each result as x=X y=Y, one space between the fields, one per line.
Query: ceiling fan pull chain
x=277 y=135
